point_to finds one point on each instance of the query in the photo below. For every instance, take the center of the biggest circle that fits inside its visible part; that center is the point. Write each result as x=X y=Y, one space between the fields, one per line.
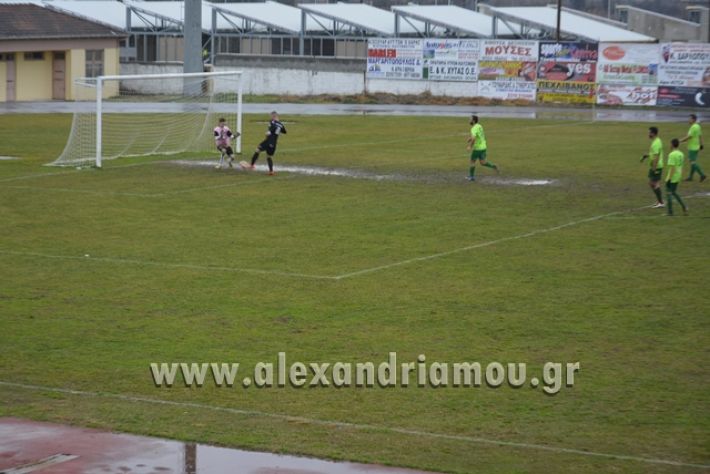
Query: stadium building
x=43 y=52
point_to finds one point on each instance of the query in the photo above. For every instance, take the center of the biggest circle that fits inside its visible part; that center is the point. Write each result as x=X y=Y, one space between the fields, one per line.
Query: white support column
x=99 y=118
x=239 y=112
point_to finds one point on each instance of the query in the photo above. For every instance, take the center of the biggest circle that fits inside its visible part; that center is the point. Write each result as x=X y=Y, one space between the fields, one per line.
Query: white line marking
x=40 y=464
x=79 y=191
x=355 y=426
x=477 y=246
x=146 y=195
x=498 y=241
x=188 y=266
x=73 y=171
x=343 y=275
x=297 y=150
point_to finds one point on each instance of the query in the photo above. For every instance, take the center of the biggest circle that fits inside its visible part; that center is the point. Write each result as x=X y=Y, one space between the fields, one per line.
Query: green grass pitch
x=190 y=264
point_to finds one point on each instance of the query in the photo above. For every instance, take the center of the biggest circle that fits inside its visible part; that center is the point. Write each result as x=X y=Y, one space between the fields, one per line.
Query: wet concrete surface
x=522 y=112
x=47 y=448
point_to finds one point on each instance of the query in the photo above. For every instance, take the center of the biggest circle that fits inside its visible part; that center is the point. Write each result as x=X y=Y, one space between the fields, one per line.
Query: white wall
x=436 y=88
x=288 y=81
x=300 y=81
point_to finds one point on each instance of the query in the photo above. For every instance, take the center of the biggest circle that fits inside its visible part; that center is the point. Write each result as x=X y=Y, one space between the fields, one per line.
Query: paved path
x=29 y=446
x=527 y=112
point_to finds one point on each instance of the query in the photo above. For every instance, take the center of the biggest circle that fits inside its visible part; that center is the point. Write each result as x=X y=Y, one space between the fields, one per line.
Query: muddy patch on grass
x=434 y=178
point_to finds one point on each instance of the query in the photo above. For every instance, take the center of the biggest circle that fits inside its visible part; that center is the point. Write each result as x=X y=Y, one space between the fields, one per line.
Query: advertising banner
x=394 y=58
x=566 y=92
x=567 y=71
x=451 y=60
x=621 y=94
x=507 y=71
x=683 y=96
x=568 y=52
x=628 y=63
x=507 y=90
x=684 y=64
x=509 y=50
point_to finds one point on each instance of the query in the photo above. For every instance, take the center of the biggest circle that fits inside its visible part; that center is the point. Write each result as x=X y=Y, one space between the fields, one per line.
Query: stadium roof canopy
x=571 y=25
x=354 y=17
x=107 y=12
x=169 y=12
x=266 y=16
x=132 y=15
x=452 y=19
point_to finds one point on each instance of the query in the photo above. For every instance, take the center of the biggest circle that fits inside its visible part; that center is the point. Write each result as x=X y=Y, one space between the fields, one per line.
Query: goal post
x=150 y=114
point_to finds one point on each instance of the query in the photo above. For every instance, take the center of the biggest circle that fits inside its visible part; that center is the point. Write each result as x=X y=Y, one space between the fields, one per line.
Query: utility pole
x=192 y=33
x=559 y=17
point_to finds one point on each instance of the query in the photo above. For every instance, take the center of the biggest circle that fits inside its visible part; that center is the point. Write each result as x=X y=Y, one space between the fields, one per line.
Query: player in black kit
x=276 y=128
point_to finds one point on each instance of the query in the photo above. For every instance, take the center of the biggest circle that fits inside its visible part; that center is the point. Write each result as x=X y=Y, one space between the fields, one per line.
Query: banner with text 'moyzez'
x=394 y=58
x=507 y=69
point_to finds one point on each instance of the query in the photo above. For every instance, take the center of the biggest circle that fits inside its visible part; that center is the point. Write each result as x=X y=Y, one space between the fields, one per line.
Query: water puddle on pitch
x=356 y=174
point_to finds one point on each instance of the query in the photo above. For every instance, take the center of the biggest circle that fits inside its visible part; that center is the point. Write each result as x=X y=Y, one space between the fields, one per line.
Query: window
x=94 y=62
x=7 y=56
x=624 y=16
x=34 y=56
x=694 y=16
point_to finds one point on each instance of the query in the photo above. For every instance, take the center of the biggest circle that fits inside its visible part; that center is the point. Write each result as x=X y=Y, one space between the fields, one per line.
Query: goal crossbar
x=197 y=98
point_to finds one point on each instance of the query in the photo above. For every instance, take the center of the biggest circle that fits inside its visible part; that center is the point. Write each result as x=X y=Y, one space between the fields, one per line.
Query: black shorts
x=226 y=149
x=655 y=176
x=671 y=187
x=268 y=147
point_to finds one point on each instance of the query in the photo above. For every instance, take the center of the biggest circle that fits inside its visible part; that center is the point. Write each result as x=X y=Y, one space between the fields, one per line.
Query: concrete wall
x=264 y=75
x=663 y=27
x=3 y=81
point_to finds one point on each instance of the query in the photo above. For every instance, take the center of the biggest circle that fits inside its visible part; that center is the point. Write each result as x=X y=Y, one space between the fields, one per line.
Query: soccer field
x=157 y=260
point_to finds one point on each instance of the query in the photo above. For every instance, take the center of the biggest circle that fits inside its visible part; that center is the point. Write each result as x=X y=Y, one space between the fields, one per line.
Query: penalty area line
x=356 y=426
x=187 y=266
x=501 y=240
x=148 y=195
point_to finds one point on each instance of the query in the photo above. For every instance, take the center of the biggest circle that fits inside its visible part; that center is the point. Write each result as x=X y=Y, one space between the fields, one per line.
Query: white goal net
x=142 y=115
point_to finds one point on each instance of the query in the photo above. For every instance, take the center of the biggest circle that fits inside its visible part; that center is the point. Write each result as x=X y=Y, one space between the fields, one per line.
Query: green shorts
x=478 y=155
x=671 y=187
x=655 y=176
x=693 y=155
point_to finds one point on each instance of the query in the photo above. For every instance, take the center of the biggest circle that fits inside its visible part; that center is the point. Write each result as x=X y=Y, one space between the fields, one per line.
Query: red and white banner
x=620 y=94
x=628 y=63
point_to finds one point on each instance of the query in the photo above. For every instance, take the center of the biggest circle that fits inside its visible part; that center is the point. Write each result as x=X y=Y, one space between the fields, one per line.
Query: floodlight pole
x=559 y=17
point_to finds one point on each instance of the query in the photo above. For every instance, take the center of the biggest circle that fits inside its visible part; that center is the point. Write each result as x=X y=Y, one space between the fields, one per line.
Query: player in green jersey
x=477 y=142
x=673 y=177
x=655 y=160
x=695 y=144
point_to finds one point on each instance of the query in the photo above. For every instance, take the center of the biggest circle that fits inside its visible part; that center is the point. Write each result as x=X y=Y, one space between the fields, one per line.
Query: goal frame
x=99 y=100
